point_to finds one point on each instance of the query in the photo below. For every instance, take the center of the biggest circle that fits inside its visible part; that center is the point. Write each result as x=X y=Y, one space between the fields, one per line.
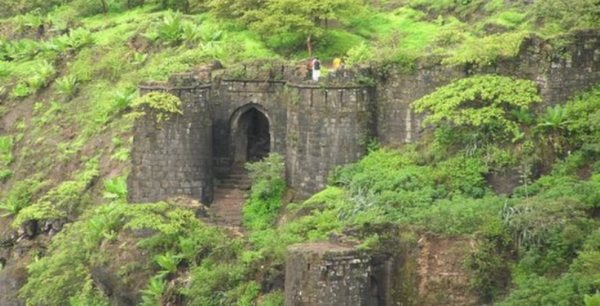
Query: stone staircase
x=229 y=197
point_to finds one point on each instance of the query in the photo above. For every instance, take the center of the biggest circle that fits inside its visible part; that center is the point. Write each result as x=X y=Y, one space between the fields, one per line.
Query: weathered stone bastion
x=233 y=115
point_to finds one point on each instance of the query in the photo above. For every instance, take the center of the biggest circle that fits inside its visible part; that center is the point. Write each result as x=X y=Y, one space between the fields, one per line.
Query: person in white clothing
x=316 y=69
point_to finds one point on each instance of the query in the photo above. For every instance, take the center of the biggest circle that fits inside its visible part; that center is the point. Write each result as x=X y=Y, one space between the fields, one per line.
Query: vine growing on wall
x=164 y=104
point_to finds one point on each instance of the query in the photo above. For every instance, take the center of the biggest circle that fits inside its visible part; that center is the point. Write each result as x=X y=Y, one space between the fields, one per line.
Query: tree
x=485 y=105
x=304 y=20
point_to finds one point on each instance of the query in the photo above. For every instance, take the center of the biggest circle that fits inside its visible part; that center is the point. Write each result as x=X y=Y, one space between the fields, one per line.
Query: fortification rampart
x=316 y=126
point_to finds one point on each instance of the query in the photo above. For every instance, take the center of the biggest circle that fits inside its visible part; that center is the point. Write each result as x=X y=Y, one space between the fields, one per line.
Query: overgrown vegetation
x=161 y=103
x=69 y=70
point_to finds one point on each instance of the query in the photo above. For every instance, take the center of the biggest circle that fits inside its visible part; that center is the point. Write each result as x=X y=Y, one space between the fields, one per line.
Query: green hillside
x=69 y=71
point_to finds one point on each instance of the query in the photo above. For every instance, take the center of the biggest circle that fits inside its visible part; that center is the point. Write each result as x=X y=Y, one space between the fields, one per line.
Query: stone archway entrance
x=251 y=135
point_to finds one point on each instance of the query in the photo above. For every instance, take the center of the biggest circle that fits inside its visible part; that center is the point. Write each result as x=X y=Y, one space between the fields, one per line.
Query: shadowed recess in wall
x=251 y=136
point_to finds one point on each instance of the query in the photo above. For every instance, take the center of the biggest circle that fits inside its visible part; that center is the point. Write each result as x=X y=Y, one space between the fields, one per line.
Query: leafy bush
x=65 y=270
x=570 y=15
x=542 y=234
x=272 y=299
x=582 y=120
x=360 y=53
x=486 y=50
x=63 y=200
x=262 y=208
x=214 y=284
x=462 y=174
x=14 y=7
x=480 y=105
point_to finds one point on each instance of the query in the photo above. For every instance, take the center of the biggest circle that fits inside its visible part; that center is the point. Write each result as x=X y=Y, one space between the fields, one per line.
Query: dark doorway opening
x=252 y=140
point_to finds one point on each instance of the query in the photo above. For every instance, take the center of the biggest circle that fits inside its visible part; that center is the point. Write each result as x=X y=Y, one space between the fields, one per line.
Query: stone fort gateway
x=231 y=116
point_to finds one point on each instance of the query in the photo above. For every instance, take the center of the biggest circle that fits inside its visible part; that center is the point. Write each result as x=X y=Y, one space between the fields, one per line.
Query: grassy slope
x=72 y=145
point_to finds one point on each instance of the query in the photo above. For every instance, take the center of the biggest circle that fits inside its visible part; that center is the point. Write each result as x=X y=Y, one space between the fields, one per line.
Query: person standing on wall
x=316 y=69
x=309 y=68
x=337 y=63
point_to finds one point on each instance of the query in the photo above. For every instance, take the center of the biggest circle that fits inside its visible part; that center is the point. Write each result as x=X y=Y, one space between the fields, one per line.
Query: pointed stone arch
x=251 y=135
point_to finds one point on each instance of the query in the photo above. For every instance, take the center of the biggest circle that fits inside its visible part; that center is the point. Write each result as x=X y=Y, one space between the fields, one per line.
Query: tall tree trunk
x=104 y=6
x=309 y=45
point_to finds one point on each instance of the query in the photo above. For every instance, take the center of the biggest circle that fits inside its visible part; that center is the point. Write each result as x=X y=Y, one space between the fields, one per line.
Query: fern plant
x=190 y=33
x=43 y=75
x=31 y=20
x=67 y=86
x=554 y=118
x=168 y=262
x=152 y=295
x=75 y=40
x=115 y=188
x=138 y=58
x=592 y=300
x=21 y=50
x=6 y=145
x=123 y=99
x=5 y=68
x=171 y=28
x=6 y=157
x=21 y=90
x=555 y=121
x=18 y=197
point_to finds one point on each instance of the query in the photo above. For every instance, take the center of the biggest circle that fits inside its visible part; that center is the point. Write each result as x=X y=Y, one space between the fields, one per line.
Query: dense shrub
x=262 y=208
x=480 y=105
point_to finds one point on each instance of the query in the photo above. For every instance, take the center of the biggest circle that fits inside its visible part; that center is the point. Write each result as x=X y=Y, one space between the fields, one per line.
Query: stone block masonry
x=326 y=127
x=325 y=274
x=173 y=157
x=316 y=126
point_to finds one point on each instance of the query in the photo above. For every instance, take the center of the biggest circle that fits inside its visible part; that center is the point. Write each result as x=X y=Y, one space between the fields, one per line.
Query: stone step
x=234 y=181
x=226 y=196
x=229 y=196
x=243 y=187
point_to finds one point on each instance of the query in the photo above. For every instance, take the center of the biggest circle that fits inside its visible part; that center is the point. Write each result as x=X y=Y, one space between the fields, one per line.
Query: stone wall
x=319 y=126
x=559 y=72
x=173 y=157
x=230 y=98
x=327 y=127
x=316 y=127
x=325 y=274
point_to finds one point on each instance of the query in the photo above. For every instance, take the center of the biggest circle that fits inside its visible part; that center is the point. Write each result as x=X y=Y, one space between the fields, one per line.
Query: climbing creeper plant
x=164 y=104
